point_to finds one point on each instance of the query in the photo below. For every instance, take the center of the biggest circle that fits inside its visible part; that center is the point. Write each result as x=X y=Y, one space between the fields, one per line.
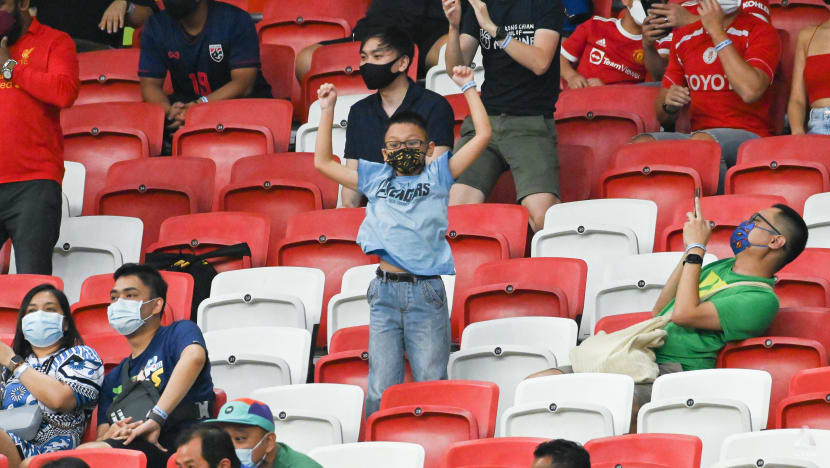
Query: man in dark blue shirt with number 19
x=211 y=51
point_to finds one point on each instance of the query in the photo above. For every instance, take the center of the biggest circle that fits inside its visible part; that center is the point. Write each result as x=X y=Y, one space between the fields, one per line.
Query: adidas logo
x=601 y=42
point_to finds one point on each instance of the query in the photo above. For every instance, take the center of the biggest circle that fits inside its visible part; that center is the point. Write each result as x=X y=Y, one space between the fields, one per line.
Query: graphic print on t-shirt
x=403 y=195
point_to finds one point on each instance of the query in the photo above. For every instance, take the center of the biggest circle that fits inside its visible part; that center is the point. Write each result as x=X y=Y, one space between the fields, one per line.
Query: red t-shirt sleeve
x=674 y=71
x=59 y=84
x=574 y=45
x=763 y=49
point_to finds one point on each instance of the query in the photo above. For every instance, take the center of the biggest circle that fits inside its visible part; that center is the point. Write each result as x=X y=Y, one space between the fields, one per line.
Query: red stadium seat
x=793 y=167
x=111 y=347
x=726 y=211
x=523 y=287
x=624 y=97
x=703 y=157
x=299 y=31
x=203 y=232
x=805 y=409
x=810 y=380
x=503 y=452
x=221 y=399
x=348 y=367
x=90 y=312
x=279 y=185
x=12 y=290
x=460 y=110
x=91 y=432
x=154 y=189
x=505 y=189
x=326 y=240
x=797 y=290
x=95 y=458
x=782 y=357
x=481 y=399
x=809 y=323
x=109 y=76
x=226 y=131
x=278 y=69
x=612 y=323
x=350 y=339
x=646 y=450
x=350 y=10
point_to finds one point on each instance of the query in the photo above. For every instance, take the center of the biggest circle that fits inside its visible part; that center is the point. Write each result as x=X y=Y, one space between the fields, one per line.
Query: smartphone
x=696 y=201
x=647 y=4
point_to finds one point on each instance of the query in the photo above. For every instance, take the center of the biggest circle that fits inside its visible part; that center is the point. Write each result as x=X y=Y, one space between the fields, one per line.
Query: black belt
x=401 y=277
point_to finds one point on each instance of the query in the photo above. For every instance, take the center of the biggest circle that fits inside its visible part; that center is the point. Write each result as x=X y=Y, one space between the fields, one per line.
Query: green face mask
x=407 y=161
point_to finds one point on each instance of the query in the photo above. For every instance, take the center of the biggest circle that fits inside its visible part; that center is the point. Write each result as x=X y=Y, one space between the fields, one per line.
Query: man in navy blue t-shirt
x=173 y=358
x=211 y=51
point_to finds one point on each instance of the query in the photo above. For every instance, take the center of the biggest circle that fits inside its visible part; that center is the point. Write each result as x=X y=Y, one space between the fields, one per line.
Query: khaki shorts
x=524 y=144
x=642 y=391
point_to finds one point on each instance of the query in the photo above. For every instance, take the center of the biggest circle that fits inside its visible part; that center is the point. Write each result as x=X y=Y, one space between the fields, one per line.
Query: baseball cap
x=247 y=412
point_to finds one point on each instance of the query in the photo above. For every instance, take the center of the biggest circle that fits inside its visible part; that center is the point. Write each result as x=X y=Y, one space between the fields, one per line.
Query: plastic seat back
x=109 y=76
x=666 y=450
x=349 y=367
x=802 y=322
x=299 y=31
x=155 y=189
x=13 y=289
x=275 y=59
x=817 y=217
x=349 y=339
x=612 y=323
x=556 y=334
x=778 y=443
x=506 y=452
x=95 y=457
x=810 y=380
x=370 y=455
x=72 y=185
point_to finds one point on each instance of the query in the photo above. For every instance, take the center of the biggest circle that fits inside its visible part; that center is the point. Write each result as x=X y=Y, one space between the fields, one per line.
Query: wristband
x=506 y=41
x=468 y=85
x=723 y=44
x=19 y=370
x=158 y=419
x=695 y=244
x=160 y=412
x=202 y=99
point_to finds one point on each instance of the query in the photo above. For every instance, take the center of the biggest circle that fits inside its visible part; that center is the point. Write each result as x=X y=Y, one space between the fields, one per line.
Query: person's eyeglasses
x=759 y=217
x=396 y=145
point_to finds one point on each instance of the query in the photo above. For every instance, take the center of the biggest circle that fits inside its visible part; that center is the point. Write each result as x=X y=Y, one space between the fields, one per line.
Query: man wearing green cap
x=251 y=427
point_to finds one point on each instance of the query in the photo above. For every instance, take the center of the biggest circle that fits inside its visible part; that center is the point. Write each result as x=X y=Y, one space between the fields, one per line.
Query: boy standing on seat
x=405 y=225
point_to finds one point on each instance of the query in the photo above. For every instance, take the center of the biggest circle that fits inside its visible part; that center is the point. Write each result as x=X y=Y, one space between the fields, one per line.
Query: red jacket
x=44 y=81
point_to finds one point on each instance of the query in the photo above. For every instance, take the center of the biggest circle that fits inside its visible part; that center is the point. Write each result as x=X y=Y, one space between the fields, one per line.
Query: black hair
x=563 y=454
x=71 y=337
x=408 y=117
x=394 y=38
x=216 y=443
x=67 y=462
x=149 y=276
x=794 y=228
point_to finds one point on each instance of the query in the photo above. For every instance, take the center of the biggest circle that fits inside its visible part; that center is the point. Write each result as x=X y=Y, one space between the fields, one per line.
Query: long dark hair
x=71 y=337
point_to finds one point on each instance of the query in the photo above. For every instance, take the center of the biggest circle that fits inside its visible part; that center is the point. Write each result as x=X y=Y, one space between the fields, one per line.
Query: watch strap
x=694 y=259
x=501 y=33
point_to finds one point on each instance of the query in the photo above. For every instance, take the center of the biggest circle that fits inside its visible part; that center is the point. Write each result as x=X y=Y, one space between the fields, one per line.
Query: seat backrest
x=112 y=116
x=817 y=217
x=109 y=76
x=291 y=344
x=274 y=58
x=613 y=391
x=479 y=398
x=72 y=186
x=13 y=289
x=349 y=367
x=778 y=443
x=349 y=10
x=508 y=220
x=810 y=381
x=299 y=30
x=285 y=166
x=95 y=457
x=632 y=98
x=612 y=323
x=802 y=322
x=792 y=17
x=702 y=156
x=556 y=334
x=752 y=387
x=370 y=455
x=576 y=164
x=357 y=279
x=505 y=452
x=670 y=450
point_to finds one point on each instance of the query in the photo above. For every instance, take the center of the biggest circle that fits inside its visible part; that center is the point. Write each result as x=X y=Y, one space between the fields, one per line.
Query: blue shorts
x=819 y=123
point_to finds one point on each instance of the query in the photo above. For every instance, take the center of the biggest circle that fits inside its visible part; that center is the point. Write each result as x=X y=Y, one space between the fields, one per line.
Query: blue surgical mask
x=125 y=315
x=739 y=240
x=246 y=456
x=42 y=329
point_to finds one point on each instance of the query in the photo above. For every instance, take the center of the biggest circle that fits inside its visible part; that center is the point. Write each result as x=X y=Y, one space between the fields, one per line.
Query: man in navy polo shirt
x=385 y=56
x=211 y=51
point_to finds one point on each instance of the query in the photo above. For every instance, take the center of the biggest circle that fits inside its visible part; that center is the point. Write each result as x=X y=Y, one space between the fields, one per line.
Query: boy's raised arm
x=461 y=160
x=324 y=160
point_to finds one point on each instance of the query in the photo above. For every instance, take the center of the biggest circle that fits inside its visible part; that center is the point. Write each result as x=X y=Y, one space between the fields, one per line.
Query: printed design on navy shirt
x=522 y=32
x=401 y=195
x=216 y=52
x=152 y=371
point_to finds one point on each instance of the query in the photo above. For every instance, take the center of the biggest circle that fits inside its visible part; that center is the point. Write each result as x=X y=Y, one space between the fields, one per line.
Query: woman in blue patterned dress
x=48 y=365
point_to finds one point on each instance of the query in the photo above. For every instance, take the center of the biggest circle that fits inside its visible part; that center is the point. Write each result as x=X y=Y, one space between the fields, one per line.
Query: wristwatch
x=694 y=259
x=501 y=33
x=669 y=111
x=8 y=68
x=14 y=363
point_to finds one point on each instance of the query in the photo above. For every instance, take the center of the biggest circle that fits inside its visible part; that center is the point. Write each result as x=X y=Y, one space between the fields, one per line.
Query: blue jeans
x=819 y=123
x=406 y=317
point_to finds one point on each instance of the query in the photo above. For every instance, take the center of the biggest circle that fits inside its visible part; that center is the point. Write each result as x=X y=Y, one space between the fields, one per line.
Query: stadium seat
x=806 y=401
x=95 y=458
x=817 y=217
x=91 y=245
x=633 y=283
x=650 y=450
x=277 y=61
x=349 y=339
x=576 y=164
x=90 y=312
x=440 y=81
x=326 y=240
x=111 y=347
x=771 y=462
x=519 y=287
x=710 y=404
x=245 y=359
x=263 y=297
x=350 y=10
x=782 y=357
x=370 y=455
x=793 y=167
x=298 y=31
x=556 y=334
x=12 y=290
x=154 y=189
x=810 y=380
x=349 y=367
x=810 y=445
x=809 y=323
x=100 y=135
x=460 y=111
x=109 y=76
x=612 y=323
x=306 y=138
x=479 y=398
x=577 y=407
x=72 y=186
x=805 y=282
x=503 y=452
x=314 y=415
x=225 y=131
x=726 y=211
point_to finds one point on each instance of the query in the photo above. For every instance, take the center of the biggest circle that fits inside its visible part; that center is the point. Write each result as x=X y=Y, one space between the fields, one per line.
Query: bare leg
x=461 y=194
x=8 y=449
x=94 y=445
x=635 y=408
x=643 y=139
x=431 y=58
x=544 y=373
x=537 y=204
x=302 y=64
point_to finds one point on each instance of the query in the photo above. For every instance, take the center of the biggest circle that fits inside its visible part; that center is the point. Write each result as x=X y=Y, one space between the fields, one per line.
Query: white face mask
x=41 y=328
x=729 y=6
x=125 y=315
x=638 y=13
x=246 y=456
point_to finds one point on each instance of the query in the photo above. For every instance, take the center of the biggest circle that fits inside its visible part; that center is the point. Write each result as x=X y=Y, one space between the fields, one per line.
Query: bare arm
x=461 y=48
x=48 y=390
x=351 y=198
x=654 y=62
x=241 y=85
x=324 y=160
x=152 y=90
x=674 y=98
x=669 y=290
x=468 y=153
x=537 y=57
x=797 y=105
x=566 y=71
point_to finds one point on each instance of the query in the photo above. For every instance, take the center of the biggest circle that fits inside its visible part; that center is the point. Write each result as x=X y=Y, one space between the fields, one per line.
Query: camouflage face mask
x=407 y=161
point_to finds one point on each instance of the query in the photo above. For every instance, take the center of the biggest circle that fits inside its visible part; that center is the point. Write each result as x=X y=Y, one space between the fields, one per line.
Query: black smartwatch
x=14 y=363
x=669 y=111
x=694 y=259
x=501 y=33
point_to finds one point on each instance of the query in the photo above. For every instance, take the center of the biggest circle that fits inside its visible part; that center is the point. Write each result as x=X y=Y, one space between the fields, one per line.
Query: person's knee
x=643 y=139
x=703 y=136
x=537 y=206
x=461 y=194
x=544 y=373
x=94 y=445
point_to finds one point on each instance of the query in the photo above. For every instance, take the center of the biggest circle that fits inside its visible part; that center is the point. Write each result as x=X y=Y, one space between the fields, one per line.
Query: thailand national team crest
x=216 y=52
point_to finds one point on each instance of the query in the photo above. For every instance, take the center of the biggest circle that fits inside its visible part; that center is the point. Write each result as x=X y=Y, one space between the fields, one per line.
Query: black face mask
x=377 y=76
x=407 y=161
x=178 y=9
x=11 y=25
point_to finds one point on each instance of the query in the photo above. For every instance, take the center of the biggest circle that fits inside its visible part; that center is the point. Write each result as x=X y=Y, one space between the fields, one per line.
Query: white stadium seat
x=307 y=133
x=370 y=455
x=770 y=462
x=806 y=444
x=817 y=217
x=557 y=334
x=74 y=177
x=440 y=81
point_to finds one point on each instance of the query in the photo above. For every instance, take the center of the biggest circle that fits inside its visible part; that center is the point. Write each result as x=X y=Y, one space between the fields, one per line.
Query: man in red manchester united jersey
x=608 y=50
x=721 y=67
x=39 y=77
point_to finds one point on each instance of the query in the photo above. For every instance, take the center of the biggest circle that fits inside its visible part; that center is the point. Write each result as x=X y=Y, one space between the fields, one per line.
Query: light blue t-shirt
x=406 y=217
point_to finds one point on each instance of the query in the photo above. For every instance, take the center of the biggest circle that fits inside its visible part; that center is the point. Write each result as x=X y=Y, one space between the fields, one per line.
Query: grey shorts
x=642 y=391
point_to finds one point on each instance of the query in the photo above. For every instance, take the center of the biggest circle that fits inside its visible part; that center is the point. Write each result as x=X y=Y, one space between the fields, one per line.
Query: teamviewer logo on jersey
x=596 y=56
x=216 y=52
